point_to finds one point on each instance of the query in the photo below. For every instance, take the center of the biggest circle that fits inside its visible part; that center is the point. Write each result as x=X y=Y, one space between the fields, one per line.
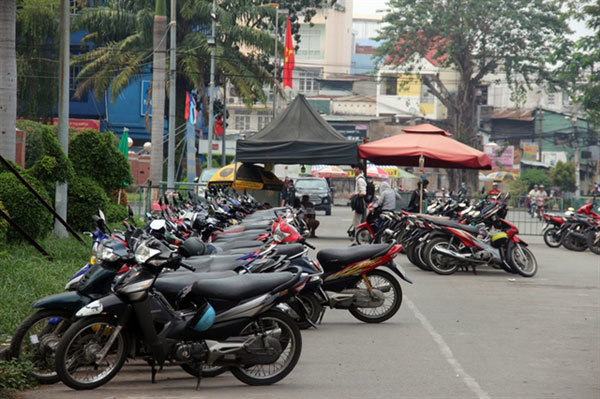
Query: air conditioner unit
x=231 y=100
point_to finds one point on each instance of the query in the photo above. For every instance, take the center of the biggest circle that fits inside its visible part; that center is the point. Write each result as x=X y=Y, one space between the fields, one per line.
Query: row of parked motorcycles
x=575 y=230
x=454 y=234
x=210 y=285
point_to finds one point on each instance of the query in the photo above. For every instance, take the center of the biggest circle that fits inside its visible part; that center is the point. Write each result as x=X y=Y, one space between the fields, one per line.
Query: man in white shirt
x=360 y=190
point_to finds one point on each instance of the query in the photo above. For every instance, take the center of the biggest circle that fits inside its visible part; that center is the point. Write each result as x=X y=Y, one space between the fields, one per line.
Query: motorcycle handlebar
x=308 y=245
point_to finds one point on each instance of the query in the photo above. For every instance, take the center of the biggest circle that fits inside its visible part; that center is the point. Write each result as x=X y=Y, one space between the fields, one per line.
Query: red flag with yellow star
x=288 y=57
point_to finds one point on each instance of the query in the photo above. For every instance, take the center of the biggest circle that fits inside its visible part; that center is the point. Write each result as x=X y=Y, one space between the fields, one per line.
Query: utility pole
x=576 y=155
x=211 y=115
x=63 y=111
x=540 y=130
x=172 y=95
x=224 y=119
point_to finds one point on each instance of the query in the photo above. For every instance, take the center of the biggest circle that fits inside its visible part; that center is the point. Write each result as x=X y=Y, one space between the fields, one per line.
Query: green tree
x=476 y=38
x=563 y=176
x=527 y=179
x=577 y=63
x=37 y=57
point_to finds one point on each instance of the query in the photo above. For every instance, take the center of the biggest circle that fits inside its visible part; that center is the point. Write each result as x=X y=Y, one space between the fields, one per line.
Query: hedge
x=94 y=155
x=85 y=198
x=24 y=207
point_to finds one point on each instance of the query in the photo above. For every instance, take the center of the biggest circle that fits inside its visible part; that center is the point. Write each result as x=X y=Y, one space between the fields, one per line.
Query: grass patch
x=26 y=276
x=15 y=375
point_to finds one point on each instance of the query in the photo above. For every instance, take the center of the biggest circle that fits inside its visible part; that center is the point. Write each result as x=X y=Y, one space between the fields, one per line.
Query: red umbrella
x=329 y=171
x=433 y=143
x=377 y=172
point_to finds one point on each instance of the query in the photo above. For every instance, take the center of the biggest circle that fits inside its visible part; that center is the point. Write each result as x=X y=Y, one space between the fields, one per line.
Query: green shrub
x=95 y=155
x=563 y=176
x=525 y=182
x=116 y=213
x=54 y=165
x=33 y=141
x=3 y=225
x=24 y=207
x=15 y=375
x=85 y=198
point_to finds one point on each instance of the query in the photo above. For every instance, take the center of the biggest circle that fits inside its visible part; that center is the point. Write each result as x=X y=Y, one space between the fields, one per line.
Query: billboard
x=502 y=157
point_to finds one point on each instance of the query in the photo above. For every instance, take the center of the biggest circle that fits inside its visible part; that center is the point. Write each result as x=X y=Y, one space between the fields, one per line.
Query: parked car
x=318 y=192
x=204 y=177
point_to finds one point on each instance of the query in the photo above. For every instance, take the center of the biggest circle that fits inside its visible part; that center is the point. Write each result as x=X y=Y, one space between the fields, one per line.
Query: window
x=551 y=99
x=242 y=120
x=389 y=85
x=264 y=118
x=481 y=92
x=426 y=96
x=75 y=6
x=310 y=45
x=307 y=80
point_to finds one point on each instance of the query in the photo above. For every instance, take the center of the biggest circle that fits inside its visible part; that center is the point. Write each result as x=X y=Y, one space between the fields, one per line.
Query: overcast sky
x=371 y=7
x=368 y=6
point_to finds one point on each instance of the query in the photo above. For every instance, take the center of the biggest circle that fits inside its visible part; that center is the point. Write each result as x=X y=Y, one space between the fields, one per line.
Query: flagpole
x=276 y=91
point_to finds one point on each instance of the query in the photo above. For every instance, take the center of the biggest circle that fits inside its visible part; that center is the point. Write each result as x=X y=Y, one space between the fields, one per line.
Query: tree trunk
x=158 y=98
x=8 y=79
x=465 y=126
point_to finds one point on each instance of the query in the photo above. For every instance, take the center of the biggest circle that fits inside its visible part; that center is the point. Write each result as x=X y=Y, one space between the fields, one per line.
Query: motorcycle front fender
x=110 y=305
x=70 y=301
x=517 y=239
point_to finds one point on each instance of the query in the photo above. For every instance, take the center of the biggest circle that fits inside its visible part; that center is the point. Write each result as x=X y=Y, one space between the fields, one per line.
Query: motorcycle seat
x=333 y=258
x=242 y=286
x=289 y=250
x=246 y=236
x=237 y=244
x=456 y=225
x=213 y=262
x=171 y=283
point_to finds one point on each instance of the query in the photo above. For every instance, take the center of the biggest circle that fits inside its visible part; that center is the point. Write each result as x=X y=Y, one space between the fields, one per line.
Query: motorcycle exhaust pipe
x=456 y=255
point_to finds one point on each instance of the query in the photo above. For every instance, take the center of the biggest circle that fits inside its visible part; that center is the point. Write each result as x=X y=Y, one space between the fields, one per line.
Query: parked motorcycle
x=233 y=322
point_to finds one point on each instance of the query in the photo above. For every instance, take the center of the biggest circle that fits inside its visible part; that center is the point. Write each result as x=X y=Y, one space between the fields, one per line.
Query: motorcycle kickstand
x=199 y=378
x=153 y=370
x=320 y=319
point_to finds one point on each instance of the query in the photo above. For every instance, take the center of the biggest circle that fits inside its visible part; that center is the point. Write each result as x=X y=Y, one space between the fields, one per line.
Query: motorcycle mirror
x=101 y=214
x=129 y=211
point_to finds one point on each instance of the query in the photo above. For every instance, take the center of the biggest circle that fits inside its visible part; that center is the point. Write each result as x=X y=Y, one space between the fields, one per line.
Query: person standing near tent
x=413 y=205
x=357 y=198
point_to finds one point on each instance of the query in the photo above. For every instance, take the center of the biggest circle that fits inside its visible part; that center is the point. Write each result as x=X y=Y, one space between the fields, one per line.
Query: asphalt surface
x=490 y=335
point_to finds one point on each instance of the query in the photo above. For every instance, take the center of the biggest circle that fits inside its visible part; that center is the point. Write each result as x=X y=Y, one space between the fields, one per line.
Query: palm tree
x=8 y=79
x=159 y=44
x=124 y=30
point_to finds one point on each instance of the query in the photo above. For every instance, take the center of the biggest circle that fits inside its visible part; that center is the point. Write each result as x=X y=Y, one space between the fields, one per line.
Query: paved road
x=490 y=335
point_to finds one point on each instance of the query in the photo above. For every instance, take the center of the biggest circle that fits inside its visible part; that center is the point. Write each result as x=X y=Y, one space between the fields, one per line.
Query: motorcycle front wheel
x=571 y=242
x=551 y=238
x=522 y=260
x=76 y=355
x=389 y=286
x=363 y=237
x=290 y=343
x=35 y=340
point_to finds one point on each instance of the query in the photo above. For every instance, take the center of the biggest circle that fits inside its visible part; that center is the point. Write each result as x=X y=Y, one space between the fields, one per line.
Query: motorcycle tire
x=363 y=237
x=439 y=263
x=591 y=237
x=572 y=243
x=551 y=239
x=313 y=307
x=418 y=257
x=75 y=340
x=370 y=315
x=516 y=257
x=290 y=338
x=411 y=254
x=35 y=340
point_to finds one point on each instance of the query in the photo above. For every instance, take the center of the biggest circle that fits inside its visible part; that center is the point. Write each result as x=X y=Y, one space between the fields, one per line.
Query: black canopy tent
x=298 y=136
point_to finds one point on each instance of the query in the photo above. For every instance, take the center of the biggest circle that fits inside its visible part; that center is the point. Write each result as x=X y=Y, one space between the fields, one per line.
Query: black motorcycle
x=235 y=322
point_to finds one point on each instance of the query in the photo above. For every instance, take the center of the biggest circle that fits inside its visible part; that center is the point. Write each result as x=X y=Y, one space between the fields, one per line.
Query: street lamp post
x=211 y=117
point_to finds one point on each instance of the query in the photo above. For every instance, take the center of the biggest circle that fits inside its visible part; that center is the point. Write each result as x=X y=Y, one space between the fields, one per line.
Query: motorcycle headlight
x=106 y=254
x=143 y=253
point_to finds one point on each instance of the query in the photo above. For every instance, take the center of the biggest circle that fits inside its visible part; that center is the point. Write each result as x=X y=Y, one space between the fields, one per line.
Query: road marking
x=447 y=353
